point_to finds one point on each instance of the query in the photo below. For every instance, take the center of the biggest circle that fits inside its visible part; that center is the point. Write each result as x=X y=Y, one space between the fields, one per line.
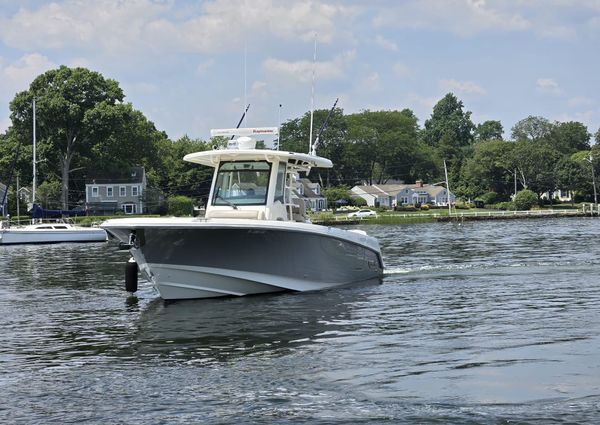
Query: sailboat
x=40 y=232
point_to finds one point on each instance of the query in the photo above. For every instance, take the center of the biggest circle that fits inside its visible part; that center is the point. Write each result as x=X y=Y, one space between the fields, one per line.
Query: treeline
x=84 y=128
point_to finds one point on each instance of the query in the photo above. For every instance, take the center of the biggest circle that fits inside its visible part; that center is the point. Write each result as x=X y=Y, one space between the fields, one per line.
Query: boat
x=56 y=232
x=48 y=232
x=255 y=236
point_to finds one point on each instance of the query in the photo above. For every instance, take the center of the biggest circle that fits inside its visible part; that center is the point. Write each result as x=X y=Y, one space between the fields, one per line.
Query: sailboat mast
x=34 y=158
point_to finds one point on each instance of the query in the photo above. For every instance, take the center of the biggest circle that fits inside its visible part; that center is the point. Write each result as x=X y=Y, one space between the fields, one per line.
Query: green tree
x=489 y=130
x=450 y=132
x=334 y=194
x=180 y=206
x=386 y=143
x=525 y=199
x=488 y=169
x=82 y=123
x=535 y=164
x=571 y=175
x=569 y=137
x=531 y=129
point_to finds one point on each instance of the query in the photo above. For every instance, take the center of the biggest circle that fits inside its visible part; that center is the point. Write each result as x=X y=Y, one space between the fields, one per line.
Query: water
x=483 y=322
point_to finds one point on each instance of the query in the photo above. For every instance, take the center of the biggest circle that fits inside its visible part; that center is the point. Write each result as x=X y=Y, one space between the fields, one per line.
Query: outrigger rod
x=241 y=119
x=314 y=146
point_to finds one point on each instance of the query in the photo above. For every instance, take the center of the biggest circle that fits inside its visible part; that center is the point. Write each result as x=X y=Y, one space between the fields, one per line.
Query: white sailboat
x=56 y=232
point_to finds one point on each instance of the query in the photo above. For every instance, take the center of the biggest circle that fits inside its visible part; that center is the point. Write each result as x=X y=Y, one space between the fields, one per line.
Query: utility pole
x=593 y=180
x=18 y=195
x=447 y=189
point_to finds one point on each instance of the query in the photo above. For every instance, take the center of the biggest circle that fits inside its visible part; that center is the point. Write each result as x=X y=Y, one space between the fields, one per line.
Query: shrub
x=525 y=199
x=504 y=206
x=425 y=207
x=462 y=205
x=488 y=198
x=180 y=205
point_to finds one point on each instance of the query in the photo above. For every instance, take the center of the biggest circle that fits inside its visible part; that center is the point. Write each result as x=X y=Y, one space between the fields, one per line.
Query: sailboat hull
x=41 y=236
x=233 y=258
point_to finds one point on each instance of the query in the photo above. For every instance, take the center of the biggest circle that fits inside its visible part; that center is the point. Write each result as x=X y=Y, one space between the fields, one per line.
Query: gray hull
x=212 y=261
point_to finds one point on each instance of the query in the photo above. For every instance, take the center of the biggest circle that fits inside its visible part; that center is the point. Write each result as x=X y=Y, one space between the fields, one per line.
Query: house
x=3 y=200
x=392 y=195
x=105 y=195
x=310 y=193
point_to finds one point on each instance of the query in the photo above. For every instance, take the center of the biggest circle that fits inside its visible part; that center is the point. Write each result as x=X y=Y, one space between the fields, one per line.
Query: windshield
x=242 y=183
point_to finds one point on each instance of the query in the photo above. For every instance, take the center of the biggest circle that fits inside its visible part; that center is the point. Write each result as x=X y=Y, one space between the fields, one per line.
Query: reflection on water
x=474 y=323
x=269 y=325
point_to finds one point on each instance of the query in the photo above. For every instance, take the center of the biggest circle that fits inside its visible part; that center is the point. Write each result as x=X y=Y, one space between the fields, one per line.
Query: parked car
x=362 y=214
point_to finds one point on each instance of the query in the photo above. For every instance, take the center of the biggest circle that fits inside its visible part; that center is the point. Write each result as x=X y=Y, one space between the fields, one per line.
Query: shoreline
x=460 y=217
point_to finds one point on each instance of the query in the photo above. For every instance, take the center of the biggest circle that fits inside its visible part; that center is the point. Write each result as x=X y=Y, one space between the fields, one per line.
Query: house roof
x=132 y=175
x=394 y=189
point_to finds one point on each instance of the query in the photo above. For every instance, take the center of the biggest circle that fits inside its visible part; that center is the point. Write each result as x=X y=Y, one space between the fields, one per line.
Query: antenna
x=312 y=97
x=314 y=147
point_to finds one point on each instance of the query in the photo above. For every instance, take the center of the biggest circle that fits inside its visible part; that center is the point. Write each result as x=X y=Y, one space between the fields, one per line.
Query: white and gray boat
x=254 y=238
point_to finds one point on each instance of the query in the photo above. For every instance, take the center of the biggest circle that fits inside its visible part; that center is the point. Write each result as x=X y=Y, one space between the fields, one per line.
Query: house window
x=129 y=208
x=94 y=191
x=135 y=190
x=122 y=191
x=109 y=191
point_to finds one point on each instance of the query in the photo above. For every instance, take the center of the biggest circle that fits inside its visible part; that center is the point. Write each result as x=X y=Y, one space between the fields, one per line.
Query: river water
x=475 y=322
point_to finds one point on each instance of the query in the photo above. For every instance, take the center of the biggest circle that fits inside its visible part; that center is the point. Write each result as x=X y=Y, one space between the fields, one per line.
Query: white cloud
x=203 y=67
x=303 y=70
x=4 y=124
x=371 y=83
x=18 y=75
x=548 y=86
x=580 y=101
x=461 y=87
x=402 y=70
x=142 y=26
x=464 y=17
x=386 y=43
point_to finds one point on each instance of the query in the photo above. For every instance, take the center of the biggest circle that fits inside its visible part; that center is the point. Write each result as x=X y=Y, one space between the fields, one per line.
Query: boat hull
x=212 y=260
x=25 y=236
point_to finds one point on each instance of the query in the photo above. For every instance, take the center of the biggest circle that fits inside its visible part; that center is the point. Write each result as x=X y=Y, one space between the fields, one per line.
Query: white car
x=362 y=214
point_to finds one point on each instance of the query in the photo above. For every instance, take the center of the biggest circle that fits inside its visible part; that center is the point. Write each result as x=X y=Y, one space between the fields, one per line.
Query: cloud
x=580 y=101
x=386 y=43
x=461 y=87
x=136 y=26
x=402 y=70
x=547 y=86
x=463 y=17
x=372 y=82
x=302 y=71
x=19 y=74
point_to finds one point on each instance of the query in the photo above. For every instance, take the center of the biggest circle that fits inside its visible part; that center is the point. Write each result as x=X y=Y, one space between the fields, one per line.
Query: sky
x=191 y=66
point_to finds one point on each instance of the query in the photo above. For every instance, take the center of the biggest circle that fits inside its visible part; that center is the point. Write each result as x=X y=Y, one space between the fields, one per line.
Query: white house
x=391 y=195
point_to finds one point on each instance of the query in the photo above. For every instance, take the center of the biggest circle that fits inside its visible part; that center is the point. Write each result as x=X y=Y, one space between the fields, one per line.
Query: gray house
x=3 y=205
x=105 y=195
x=310 y=193
x=391 y=195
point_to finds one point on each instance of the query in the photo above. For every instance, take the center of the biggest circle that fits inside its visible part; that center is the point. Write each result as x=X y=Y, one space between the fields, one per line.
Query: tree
x=489 y=130
x=531 y=129
x=450 y=132
x=569 y=137
x=488 y=170
x=80 y=114
x=535 y=164
x=571 y=175
x=334 y=194
x=386 y=143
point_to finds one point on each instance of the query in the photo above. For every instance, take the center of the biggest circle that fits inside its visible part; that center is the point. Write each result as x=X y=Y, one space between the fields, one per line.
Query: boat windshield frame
x=240 y=196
